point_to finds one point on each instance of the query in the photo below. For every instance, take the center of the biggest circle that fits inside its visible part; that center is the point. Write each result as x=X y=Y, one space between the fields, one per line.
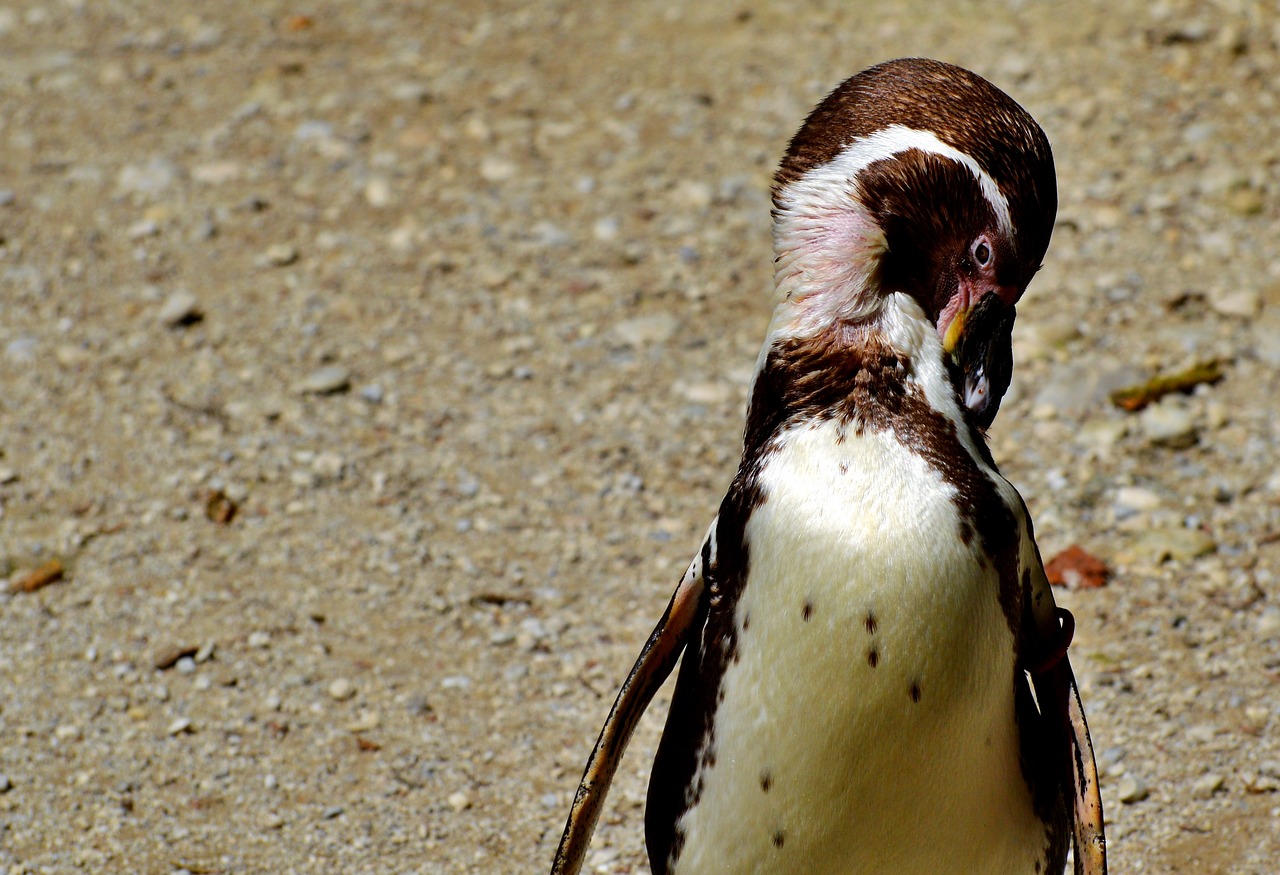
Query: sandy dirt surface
x=374 y=369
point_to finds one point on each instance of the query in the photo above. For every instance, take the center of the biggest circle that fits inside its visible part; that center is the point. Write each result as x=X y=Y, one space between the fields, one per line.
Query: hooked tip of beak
x=977 y=388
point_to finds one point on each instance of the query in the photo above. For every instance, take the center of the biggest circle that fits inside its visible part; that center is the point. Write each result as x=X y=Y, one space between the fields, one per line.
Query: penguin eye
x=982 y=252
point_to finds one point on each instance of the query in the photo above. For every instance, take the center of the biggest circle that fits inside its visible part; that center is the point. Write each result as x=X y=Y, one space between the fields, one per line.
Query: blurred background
x=369 y=372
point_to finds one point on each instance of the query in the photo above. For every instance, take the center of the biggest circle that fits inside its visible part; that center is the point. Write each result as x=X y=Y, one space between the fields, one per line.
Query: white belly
x=868 y=723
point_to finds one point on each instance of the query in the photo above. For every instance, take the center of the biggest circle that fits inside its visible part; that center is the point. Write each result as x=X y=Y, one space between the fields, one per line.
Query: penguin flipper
x=652 y=667
x=1058 y=695
x=1090 y=840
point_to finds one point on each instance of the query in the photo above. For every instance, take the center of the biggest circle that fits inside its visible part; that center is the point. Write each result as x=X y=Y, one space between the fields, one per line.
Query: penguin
x=873 y=673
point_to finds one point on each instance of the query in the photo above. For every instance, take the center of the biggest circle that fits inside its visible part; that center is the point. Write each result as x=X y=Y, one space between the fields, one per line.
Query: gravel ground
x=373 y=369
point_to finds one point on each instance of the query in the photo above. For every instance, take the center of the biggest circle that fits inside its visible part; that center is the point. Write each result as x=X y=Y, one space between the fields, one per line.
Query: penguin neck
x=859 y=372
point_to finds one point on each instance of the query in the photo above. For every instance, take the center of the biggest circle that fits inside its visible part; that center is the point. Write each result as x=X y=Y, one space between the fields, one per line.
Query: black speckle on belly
x=873 y=657
x=871 y=623
x=766 y=781
x=779 y=837
x=915 y=691
x=807 y=611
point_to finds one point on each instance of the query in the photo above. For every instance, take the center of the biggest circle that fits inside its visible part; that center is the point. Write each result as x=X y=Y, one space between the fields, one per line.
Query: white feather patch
x=829 y=248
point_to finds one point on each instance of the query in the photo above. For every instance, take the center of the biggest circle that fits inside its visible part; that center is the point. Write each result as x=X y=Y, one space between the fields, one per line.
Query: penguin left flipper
x=1090 y=841
x=652 y=667
x=1059 y=699
x=1048 y=630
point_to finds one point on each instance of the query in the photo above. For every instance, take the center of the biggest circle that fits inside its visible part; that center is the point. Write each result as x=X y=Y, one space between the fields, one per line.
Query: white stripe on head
x=895 y=139
x=829 y=247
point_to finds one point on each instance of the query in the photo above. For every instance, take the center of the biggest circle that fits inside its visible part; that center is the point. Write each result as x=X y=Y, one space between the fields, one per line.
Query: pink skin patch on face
x=829 y=258
x=969 y=291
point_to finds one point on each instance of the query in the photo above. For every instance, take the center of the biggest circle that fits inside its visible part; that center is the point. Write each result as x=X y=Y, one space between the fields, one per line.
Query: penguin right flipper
x=652 y=667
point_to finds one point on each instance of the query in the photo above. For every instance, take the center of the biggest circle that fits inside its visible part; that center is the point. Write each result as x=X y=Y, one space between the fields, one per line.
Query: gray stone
x=21 y=349
x=313 y=130
x=1168 y=424
x=151 y=178
x=1266 y=340
x=1075 y=388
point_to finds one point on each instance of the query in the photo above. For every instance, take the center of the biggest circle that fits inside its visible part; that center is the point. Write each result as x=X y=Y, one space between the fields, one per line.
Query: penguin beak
x=979 y=341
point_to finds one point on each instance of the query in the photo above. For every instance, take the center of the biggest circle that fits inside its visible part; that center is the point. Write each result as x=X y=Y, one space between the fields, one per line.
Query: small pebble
x=271 y=820
x=1207 y=785
x=341 y=689
x=21 y=349
x=495 y=169
x=179 y=726
x=1134 y=498
x=1169 y=425
x=1268 y=623
x=151 y=178
x=185 y=665
x=378 y=192
x=331 y=812
x=1240 y=303
x=1131 y=789
x=418 y=705
x=605 y=228
x=326 y=381
x=181 y=308
x=366 y=721
x=459 y=801
x=328 y=464
x=644 y=331
x=1201 y=733
x=5 y=784
x=1255 y=783
x=142 y=229
x=280 y=255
